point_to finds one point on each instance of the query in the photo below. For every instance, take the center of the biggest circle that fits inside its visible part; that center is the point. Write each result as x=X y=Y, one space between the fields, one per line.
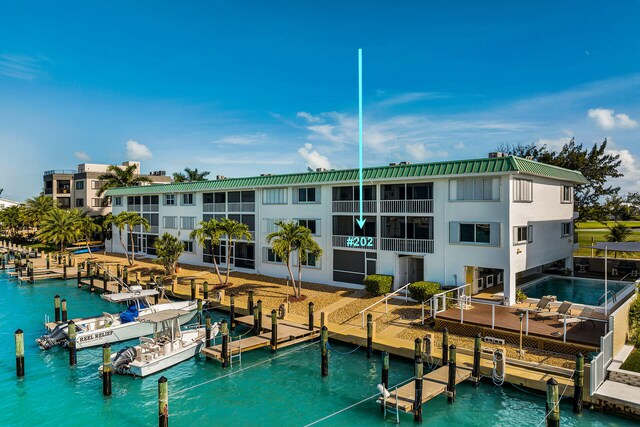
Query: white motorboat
x=169 y=346
x=110 y=328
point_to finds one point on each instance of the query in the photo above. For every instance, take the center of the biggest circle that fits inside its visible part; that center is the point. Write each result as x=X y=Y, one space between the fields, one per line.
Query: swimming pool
x=579 y=291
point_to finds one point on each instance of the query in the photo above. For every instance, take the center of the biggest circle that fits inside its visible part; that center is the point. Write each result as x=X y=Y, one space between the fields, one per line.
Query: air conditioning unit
x=496 y=154
x=493 y=340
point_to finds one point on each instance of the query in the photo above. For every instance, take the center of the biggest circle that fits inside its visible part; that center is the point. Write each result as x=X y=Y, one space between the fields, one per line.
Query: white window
x=96 y=203
x=522 y=234
x=117 y=201
x=271 y=256
x=311 y=261
x=522 y=190
x=96 y=185
x=567 y=194
x=474 y=189
x=188 y=245
x=170 y=222
x=483 y=233
x=187 y=222
x=306 y=195
x=79 y=185
x=169 y=199
x=311 y=224
x=566 y=229
x=274 y=196
x=187 y=199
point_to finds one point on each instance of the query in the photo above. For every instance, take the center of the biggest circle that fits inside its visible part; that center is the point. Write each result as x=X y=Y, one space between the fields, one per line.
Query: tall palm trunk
x=229 y=246
x=133 y=246
x=215 y=266
x=299 y=274
x=126 y=251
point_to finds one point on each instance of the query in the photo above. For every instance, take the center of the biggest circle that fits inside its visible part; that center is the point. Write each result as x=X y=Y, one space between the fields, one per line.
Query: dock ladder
x=387 y=410
x=237 y=356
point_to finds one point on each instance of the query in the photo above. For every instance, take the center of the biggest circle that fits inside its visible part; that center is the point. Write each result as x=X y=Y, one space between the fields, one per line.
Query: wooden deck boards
x=434 y=384
x=507 y=319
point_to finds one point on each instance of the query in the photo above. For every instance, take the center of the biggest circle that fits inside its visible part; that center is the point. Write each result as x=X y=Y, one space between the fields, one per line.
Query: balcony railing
x=423 y=246
x=241 y=207
x=368 y=206
x=341 y=242
x=131 y=207
x=150 y=208
x=214 y=207
x=407 y=206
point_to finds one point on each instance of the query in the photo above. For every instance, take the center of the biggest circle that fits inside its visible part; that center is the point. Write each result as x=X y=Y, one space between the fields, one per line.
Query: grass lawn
x=584 y=240
x=596 y=224
x=633 y=361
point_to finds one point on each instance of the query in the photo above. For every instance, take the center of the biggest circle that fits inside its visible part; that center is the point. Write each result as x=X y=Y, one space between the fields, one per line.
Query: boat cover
x=131 y=313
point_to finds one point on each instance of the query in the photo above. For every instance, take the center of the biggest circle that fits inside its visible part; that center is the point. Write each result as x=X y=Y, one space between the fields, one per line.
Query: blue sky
x=250 y=87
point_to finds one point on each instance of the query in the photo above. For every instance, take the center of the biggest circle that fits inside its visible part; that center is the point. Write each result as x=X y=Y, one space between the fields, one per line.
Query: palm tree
x=88 y=228
x=233 y=230
x=169 y=249
x=118 y=176
x=60 y=227
x=12 y=220
x=209 y=230
x=190 y=175
x=132 y=220
x=618 y=232
x=285 y=242
x=307 y=247
x=37 y=208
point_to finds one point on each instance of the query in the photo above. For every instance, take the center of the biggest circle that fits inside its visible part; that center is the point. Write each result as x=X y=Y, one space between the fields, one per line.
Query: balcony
x=150 y=208
x=349 y=206
x=241 y=207
x=407 y=206
x=423 y=246
x=341 y=242
x=214 y=207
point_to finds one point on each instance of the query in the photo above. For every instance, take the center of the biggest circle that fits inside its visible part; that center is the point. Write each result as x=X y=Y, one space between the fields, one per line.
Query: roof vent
x=321 y=170
x=496 y=154
x=405 y=163
x=393 y=164
x=219 y=177
x=265 y=174
x=529 y=157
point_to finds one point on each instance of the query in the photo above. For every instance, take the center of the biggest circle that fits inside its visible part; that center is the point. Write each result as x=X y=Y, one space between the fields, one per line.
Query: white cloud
x=137 y=151
x=607 y=119
x=409 y=97
x=242 y=139
x=630 y=167
x=422 y=153
x=82 y=156
x=554 y=144
x=313 y=158
x=21 y=66
x=310 y=118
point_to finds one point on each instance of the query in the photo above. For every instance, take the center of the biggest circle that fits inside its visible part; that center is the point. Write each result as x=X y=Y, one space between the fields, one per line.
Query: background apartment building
x=485 y=222
x=79 y=188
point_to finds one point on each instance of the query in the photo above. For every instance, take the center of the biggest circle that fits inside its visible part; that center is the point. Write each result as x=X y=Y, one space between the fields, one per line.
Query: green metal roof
x=456 y=167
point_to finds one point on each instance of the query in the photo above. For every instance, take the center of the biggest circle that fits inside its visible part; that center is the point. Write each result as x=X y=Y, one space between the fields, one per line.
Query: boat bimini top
x=130 y=296
x=162 y=316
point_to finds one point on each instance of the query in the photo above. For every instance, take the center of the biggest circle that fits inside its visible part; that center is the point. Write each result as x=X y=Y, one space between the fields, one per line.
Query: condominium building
x=79 y=188
x=485 y=222
x=6 y=203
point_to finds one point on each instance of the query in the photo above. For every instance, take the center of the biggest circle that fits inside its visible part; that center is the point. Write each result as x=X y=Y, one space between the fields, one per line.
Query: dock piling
x=48 y=261
x=64 y=272
x=125 y=275
x=56 y=308
x=552 y=406
x=106 y=369
x=71 y=332
x=207 y=330
x=79 y=275
x=578 y=383
x=224 y=330
x=385 y=369
x=250 y=302
x=193 y=289
x=417 y=403
x=369 y=335
x=274 y=331
x=324 y=351
x=259 y=316
x=205 y=290
x=451 y=383
x=199 y=311
x=475 y=370
x=417 y=348
x=64 y=310
x=163 y=402
x=19 y=336
x=105 y=281
x=232 y=312
x=445 y=347
x=255 y=320
x=310 y=316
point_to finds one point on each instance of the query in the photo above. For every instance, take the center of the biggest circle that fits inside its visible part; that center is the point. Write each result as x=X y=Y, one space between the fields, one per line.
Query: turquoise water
x=283 y=391
x=580 y=291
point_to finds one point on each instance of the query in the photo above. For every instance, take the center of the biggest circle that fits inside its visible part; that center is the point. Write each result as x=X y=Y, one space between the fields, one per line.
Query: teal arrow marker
x=360 y=221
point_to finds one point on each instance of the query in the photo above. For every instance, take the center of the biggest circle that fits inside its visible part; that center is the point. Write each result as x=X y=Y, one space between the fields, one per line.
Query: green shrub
x=422 y=291
x=520 y=296
x=634 y=320
x=378 y=284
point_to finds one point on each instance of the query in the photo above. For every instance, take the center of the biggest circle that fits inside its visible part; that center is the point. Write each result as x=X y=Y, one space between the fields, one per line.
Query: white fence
x=600 y=363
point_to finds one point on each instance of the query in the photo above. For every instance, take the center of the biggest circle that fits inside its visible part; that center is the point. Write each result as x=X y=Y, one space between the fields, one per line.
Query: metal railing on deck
x=385 y=300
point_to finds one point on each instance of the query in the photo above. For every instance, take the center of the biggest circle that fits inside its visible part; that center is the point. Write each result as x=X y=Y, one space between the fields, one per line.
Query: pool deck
x=507 y=319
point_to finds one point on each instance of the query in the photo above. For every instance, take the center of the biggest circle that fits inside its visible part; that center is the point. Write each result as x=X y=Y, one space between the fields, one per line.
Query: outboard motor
x=123 y=358
x=57 y=337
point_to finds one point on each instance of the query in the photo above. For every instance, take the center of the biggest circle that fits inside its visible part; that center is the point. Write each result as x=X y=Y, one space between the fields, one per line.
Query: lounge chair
x=562 y=310
x=543 y=304
x=586 y=315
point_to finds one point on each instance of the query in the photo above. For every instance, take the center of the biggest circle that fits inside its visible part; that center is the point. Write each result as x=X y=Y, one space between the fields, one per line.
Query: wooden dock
x=289 y=333
x=434 y=384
